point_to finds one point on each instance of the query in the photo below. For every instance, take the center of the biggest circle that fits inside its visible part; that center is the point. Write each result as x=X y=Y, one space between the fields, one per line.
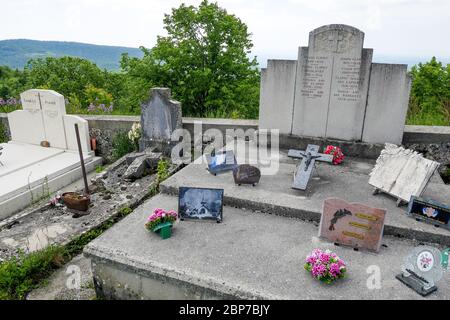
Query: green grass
x=18 y=276
x=99 y=169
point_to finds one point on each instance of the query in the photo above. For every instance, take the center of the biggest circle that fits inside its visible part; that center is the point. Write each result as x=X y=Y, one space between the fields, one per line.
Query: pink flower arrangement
x=160 y=216
x=325 y=266
x=336 y=152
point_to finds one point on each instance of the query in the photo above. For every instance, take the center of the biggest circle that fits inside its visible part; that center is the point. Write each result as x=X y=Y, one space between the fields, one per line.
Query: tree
x=204 y=59
x=430 y=94
x=12 y=82
x=69 y=76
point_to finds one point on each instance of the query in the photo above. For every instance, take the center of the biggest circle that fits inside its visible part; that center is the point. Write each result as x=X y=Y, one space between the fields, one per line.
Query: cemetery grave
x=123 y=185
x=266 y=230
x=42 y=156
x=269 y=221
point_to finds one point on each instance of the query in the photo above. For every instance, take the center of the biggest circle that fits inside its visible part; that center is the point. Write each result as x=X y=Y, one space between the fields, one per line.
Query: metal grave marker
x=309 y=158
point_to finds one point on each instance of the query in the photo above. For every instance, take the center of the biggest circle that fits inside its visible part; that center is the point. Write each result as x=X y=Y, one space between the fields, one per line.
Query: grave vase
x=164 y=230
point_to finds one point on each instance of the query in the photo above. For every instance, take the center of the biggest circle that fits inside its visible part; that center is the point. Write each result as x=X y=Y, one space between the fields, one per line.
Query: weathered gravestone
x=44 y=118
x=402 y=173
x=160 y=117
x=352 y=224
x=306 y=168
x=334 y=91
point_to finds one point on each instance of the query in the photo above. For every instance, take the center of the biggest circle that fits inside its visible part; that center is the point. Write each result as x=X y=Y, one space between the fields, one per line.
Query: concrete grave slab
x=247 y=256
x=348 y=181
x=37 y=174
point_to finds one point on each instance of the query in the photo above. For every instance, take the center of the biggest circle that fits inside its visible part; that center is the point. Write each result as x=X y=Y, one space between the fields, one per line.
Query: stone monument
x=334 y=91
x=44 y=118
x=160 y=117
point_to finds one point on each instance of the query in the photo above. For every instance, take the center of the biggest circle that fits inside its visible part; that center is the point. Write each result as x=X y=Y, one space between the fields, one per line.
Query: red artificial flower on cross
x=336 y=152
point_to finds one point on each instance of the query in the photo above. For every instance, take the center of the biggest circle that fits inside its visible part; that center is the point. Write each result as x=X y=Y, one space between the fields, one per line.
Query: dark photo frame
x=200 y=204
x=429 y=211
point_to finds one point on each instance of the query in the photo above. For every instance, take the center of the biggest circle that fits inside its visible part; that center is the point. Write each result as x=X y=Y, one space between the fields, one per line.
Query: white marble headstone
x=54 y=110
x=27 y=125
x=44 y=118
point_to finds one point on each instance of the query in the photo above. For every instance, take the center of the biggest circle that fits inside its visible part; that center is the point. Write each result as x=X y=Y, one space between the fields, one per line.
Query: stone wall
x=4 y=126
x=432 y=140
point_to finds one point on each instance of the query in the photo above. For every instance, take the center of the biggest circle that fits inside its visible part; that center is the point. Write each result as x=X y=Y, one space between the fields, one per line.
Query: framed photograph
x=200 y=203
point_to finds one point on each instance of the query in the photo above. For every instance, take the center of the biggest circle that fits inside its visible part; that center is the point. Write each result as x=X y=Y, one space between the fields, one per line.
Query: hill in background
x=16 y=53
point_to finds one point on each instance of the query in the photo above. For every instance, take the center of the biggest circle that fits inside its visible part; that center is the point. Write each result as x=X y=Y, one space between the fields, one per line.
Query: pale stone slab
x=332 y=83
x=83 y=127
x=53 y=111
x=13 y=159
x=387 y=104
x=27 y=126
x=401 y=172
x=277 y=95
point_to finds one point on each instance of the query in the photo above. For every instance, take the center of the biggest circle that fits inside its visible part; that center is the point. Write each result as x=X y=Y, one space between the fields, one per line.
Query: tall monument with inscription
x=334 y=91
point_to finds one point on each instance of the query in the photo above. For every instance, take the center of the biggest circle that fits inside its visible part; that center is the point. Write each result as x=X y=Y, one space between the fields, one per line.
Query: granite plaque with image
x=200 y=203
x=430 y=211
x=352 y=224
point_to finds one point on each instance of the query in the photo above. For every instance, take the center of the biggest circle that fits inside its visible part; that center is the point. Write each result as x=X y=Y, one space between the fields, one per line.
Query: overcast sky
x=416 y=28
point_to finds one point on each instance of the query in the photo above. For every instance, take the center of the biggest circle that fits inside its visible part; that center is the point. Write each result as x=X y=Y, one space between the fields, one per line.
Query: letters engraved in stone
x=332 y=84
x=304 y=171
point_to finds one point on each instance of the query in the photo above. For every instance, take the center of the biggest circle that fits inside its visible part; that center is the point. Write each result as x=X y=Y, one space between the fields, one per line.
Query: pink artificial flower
x=318 y=270
x=341 y=263
x=311 y=259
x=324 y=258
x=335 y=269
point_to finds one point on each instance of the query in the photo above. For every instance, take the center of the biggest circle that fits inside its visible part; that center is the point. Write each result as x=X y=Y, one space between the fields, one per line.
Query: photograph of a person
x=201 y=203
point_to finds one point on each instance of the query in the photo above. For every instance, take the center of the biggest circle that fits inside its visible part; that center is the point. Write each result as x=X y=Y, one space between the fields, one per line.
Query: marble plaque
x=352 y=224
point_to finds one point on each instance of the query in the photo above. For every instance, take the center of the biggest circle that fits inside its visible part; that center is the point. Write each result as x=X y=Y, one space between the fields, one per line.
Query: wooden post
x=83 y=168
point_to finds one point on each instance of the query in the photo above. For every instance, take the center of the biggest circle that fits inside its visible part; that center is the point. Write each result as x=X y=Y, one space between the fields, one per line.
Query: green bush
x=122 y=145
x=18 y=276
x=430 y=94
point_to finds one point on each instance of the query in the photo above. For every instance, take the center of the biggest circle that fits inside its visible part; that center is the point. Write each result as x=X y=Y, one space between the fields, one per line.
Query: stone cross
x=309 y=158
x=335 y=41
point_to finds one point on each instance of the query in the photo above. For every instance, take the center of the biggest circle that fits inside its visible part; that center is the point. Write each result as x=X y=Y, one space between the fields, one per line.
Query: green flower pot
x=164 y=230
